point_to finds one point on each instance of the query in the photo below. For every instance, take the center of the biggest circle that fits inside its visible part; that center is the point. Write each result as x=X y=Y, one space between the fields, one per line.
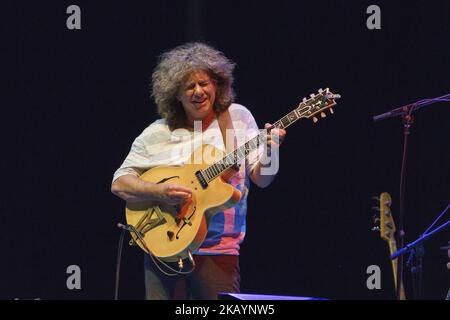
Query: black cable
x=131 y=228
x=155 y=258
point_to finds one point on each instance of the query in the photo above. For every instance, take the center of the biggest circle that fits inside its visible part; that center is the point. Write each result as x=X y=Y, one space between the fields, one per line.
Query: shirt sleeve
x=134 y=163
x=142 y=153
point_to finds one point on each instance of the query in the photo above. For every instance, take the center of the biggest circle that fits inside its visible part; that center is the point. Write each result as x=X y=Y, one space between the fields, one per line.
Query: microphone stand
x=406 y=113
x=419 y=240
x=416 y=249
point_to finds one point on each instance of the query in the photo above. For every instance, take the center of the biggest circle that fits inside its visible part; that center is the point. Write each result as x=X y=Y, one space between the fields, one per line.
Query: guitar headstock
x=318 y=103
x=386 y=221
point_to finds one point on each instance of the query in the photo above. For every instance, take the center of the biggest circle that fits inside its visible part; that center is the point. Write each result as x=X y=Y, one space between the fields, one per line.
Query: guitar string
x=235 y=156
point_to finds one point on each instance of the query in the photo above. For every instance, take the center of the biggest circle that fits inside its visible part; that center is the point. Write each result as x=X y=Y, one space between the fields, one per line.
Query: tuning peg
x=323 y=115
x=375 y=229
x=312 y=95
x=376 y=198
x=376 y=209
x=315 y=119
x=304 y=99
x=331 y=110
x=320 y=90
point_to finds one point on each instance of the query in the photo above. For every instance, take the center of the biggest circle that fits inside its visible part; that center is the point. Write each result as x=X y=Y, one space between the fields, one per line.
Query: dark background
x=73 y=101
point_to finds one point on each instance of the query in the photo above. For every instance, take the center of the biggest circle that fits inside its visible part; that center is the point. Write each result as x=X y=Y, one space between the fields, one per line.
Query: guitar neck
x=392 y=249
x=387 y=232
x=232 y=158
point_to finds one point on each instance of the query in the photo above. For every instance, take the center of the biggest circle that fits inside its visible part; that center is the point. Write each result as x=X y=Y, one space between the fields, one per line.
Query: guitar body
x=170 y=231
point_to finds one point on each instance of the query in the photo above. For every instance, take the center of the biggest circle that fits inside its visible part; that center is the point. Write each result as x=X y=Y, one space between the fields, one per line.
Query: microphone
x=130 y=228
x=122 y=226
x=391 y=114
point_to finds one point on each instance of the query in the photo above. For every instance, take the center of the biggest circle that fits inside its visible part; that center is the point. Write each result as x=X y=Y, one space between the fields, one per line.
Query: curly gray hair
x=175 y=65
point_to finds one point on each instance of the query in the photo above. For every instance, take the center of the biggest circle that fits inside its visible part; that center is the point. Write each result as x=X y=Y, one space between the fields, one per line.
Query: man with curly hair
x=192 y=89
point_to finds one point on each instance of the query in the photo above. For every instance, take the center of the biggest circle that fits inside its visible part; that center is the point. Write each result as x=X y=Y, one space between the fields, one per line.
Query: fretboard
x=232 y=158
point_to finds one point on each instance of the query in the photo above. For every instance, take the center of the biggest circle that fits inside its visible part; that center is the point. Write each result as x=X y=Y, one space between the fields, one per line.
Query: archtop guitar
x=170 y=232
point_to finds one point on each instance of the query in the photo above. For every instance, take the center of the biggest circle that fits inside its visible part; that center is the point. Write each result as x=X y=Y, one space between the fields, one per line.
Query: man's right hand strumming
x=173 y=193
x=133 y=189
